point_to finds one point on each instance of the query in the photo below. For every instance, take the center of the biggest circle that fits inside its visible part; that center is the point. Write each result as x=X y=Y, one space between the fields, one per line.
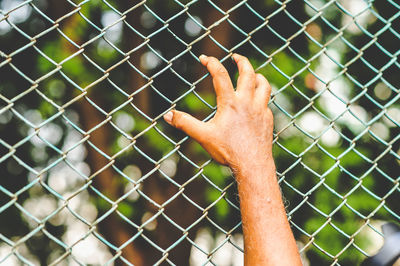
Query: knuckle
x=247 y=69
x=213 y=61
x=263 y=81
x=240 y=57
x=176 y=121
x=220 y=70
x=244 y=61
x=217 y=67
x=261 y=77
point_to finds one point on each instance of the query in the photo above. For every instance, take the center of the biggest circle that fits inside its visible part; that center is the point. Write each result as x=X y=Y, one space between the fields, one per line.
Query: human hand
x=241 y=130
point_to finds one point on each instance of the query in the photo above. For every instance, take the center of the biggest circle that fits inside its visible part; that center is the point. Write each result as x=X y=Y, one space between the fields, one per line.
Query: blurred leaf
x=126 y=209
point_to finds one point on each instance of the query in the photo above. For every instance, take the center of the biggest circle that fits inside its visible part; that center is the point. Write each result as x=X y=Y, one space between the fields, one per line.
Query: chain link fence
x=91 y=174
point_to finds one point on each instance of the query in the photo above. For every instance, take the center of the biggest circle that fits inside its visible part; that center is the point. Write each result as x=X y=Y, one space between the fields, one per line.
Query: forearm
x=268 y=239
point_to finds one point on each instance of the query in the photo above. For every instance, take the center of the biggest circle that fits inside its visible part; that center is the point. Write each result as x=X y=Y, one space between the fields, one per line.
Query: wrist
x=262 y=165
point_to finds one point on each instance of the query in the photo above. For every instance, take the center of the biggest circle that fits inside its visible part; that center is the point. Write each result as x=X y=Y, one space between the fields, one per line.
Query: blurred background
x=91 y=174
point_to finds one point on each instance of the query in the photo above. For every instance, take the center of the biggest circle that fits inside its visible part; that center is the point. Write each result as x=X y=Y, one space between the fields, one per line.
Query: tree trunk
x=111 y=227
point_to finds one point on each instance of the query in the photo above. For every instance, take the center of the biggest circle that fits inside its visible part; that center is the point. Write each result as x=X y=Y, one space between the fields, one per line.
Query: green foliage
x=219 y=177
x=126 y=209
x=334 y=210
x=192 y=103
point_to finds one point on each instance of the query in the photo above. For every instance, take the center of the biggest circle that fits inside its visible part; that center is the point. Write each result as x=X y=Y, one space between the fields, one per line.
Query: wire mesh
x=91 y=174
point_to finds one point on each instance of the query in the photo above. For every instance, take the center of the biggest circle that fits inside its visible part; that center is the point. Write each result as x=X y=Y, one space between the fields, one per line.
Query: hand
x=241 y=129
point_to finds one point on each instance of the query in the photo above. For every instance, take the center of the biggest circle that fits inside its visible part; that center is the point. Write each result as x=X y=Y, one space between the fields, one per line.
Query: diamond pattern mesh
x=91 y=174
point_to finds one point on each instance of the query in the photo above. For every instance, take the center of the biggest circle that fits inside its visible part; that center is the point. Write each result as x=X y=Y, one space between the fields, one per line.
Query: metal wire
x=336 y=136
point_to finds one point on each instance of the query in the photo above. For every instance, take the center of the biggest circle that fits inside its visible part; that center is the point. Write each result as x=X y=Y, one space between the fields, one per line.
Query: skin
x=240 y=136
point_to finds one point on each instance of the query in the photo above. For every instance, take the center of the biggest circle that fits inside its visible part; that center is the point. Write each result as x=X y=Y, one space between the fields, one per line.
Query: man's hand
x=240 y=136
x=243 y=122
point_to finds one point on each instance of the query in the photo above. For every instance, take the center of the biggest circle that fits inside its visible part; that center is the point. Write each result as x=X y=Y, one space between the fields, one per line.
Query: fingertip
x=190 y=125
x=237 y=57
x=243 y=63
x=203 y=59
x=168 y=117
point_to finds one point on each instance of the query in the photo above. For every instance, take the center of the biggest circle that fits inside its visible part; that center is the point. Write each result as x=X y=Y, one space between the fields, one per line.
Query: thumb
x=193 y=127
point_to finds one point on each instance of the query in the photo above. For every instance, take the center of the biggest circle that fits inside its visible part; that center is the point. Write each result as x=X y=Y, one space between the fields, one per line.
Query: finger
x=263 y=88
x=193 y=127
x=246 y=80
x=222 y=82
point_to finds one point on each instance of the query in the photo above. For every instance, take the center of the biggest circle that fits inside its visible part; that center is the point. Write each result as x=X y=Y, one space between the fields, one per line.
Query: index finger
x=222 y=82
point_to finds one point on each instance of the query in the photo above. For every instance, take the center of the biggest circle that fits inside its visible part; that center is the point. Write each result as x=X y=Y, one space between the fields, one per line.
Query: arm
x=240 y=136
x=268 y=239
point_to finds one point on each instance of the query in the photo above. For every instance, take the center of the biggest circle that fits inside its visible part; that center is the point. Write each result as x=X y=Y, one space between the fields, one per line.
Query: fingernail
x=201 y=57
x=168 y=117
